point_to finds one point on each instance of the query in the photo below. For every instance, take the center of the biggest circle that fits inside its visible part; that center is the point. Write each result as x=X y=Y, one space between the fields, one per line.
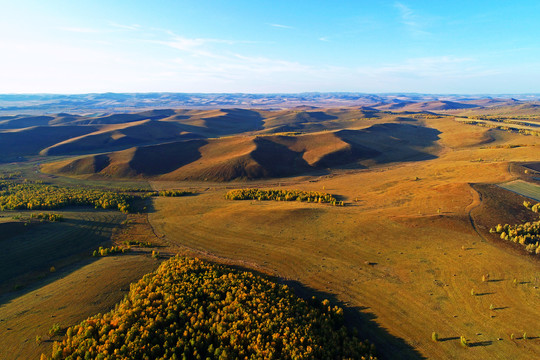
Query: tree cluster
x=533 y=207
x=502 y=127
x=172 y=193
x=190 y=309
x=282 y=195
x=48 y=217
x=527 y=234
x=109 y=251
x=36 y=196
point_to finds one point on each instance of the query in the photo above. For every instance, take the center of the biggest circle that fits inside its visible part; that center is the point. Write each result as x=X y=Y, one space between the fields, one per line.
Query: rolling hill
x=254 y=157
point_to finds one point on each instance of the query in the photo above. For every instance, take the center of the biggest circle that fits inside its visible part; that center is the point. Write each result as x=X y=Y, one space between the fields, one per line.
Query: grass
x=46 y=245
x=523 y=188
x=82 y=286
x=393 y=259
x=393 y=254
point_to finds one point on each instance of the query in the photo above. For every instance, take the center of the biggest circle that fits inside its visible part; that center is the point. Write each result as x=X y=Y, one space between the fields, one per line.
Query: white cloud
x=281 y=26
x=411 y=20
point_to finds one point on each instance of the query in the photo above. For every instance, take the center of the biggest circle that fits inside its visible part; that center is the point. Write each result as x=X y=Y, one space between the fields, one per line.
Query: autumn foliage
x=38 y=196
x=526 y=234
x=190 y=309
x=281 y=195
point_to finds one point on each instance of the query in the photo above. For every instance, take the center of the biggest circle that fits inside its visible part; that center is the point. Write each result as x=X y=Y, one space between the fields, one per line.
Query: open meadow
x=404 y=246
x=403 y=256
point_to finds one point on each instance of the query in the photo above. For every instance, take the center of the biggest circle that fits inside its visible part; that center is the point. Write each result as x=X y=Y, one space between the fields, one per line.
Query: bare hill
x=112 y=137
x=31 y=140
x=425 y=106
x=218 y=122
x=253 y=157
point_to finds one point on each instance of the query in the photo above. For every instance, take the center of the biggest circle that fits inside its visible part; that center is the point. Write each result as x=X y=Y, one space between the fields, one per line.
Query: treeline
x=109 y=251
x=514 y=119
x=502 y=127
x=190 y=309
x=10 y=176
x=37 y=196
x=171 y=193
x=282 y=195
x=527 y=234
x=48 y=217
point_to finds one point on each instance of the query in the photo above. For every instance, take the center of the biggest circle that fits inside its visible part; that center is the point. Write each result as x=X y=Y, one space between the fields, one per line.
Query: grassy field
x=526 y=189
x=45 y=245
x=32 y=298
x=402 y=256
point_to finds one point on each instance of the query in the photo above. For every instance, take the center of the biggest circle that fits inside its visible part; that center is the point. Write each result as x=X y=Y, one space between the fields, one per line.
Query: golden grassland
x=81 y=286
x=402 y=258
x=405 y=254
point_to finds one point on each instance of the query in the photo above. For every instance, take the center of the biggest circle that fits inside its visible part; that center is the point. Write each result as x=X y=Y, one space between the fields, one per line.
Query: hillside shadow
x=277 y=160
x=395 y=142
x=26 y=258
x=387 y=345
x=164 y=158
x=37 y=279
x=235 y=121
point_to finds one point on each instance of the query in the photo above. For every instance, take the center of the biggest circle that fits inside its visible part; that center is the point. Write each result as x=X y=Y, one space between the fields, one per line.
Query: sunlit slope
x=253 y=157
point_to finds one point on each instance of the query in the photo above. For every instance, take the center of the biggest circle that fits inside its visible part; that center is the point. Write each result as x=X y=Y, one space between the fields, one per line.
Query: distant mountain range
x=12 y=104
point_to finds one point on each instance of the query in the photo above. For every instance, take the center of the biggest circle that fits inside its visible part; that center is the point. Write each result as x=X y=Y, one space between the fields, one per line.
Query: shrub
x=55 y=329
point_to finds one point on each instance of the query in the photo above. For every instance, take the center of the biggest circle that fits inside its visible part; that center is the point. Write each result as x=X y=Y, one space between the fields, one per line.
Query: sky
x=263 y=46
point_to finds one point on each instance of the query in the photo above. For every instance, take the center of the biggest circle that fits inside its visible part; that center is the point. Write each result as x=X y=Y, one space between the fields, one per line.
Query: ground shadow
x=387 y=345
x=360 y=318
x=484 y=293
x=449 y=338
x=49 y=250
x=480 y=343
x=500 y=308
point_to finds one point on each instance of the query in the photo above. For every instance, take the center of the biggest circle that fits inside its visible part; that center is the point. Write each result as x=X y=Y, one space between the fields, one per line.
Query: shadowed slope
x=123 y=135
x=218 y=122
x=29 y=141
x=22 y=121
x=423 y=106
x=253 y=157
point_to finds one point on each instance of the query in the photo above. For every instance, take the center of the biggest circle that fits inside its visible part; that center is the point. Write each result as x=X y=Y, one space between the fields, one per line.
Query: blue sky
x=269 y=46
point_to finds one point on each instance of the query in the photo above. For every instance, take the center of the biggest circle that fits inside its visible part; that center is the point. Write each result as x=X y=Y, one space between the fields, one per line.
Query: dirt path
x=475 y=204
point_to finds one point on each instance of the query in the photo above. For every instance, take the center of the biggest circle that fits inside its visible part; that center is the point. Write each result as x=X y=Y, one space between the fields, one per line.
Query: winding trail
x=476 y=203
